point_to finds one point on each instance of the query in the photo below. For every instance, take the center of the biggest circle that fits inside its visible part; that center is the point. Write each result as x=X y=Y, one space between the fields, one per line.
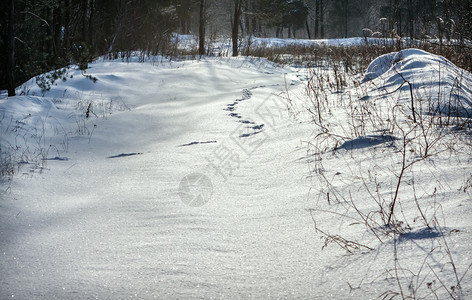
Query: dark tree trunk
x=308 y=30
x=11 y=49
x=254 y=26
x=247 y=21
x=410 y=21
x=322 y=24
x=90 y=25
x=398 y=17
x=236 y=23
x=67 y=25
x=84 y=20
x=201 y=29
x=50 y=44
x=317 y=19
x=58 y=22
x=345 y=17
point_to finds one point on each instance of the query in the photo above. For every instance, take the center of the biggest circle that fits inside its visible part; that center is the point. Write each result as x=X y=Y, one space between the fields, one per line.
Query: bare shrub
x=385 y=179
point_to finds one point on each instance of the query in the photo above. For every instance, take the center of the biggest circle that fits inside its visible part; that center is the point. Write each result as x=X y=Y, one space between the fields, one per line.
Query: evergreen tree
x=42 y=35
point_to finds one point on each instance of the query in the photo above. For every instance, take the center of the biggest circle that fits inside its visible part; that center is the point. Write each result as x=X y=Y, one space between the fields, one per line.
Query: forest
x=43 y=35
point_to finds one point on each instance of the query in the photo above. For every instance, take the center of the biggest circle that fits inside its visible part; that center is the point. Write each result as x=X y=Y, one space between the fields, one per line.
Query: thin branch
x=35 y=15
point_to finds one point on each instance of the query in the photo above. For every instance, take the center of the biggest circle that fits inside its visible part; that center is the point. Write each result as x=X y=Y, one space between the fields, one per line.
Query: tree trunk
x=308 y=30
x=67 y=26
x=247 y=21
x=201 y=29
x=84 y=20
x=322 y=24
x=410 y=21
x=11 y=49
x=50 y=45
x=236 y=23
x=58 y=22
x=254 y=27
x=317 y=19
x=345 y=18
x=398 y=17
x=90 y=25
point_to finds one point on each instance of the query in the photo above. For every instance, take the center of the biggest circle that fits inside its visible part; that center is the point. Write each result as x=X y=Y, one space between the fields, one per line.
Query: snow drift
x=437 y=85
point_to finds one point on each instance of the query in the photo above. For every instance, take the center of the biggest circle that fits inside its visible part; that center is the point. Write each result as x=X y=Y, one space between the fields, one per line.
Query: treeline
x=41 y=35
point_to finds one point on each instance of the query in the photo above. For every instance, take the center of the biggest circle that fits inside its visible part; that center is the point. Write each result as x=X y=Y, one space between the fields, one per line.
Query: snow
x=399 y=137
x=223 y=47
x=191 y=179
x=430 y=76
x=366 y=141
x=277 y=42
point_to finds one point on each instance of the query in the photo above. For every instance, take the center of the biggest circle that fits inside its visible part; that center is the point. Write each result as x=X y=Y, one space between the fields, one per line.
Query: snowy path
x=107 y=225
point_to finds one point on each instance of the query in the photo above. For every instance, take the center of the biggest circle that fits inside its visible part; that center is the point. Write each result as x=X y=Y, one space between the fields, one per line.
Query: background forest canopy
x=42 y=35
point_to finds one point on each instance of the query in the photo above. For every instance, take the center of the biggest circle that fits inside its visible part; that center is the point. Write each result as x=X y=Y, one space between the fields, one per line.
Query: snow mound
x=379 y=66
x=438 y=84
x=408 y=59
x=27 y=105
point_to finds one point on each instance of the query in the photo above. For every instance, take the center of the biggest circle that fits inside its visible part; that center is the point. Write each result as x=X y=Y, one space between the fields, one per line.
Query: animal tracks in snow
x=256 y=129
x=197 y=143
x=125 y=155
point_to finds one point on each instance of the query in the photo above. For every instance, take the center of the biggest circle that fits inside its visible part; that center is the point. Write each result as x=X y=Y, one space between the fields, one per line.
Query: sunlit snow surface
x=439 y=84
x=165 y=193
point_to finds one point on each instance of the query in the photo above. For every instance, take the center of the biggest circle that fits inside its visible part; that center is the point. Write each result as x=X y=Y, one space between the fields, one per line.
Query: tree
x=235 y=25
x=411 y=32
x=201 y=31
x=295 y=16
x=318 y=3
x=43 y=35
x=322 y=23
x=273 y=14
x=283 y=14
x=184 y=13
x=11 y=49
x=339 y=17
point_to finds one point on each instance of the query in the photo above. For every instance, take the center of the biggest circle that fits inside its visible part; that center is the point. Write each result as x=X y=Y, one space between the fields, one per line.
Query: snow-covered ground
x=200 y=179
x=191 y=41
x=223 y=46
x=392 y=161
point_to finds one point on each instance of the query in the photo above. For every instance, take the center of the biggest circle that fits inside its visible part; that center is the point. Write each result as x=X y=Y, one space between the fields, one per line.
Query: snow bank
x=27 y=105
x=435 y=81
x=409 y=59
